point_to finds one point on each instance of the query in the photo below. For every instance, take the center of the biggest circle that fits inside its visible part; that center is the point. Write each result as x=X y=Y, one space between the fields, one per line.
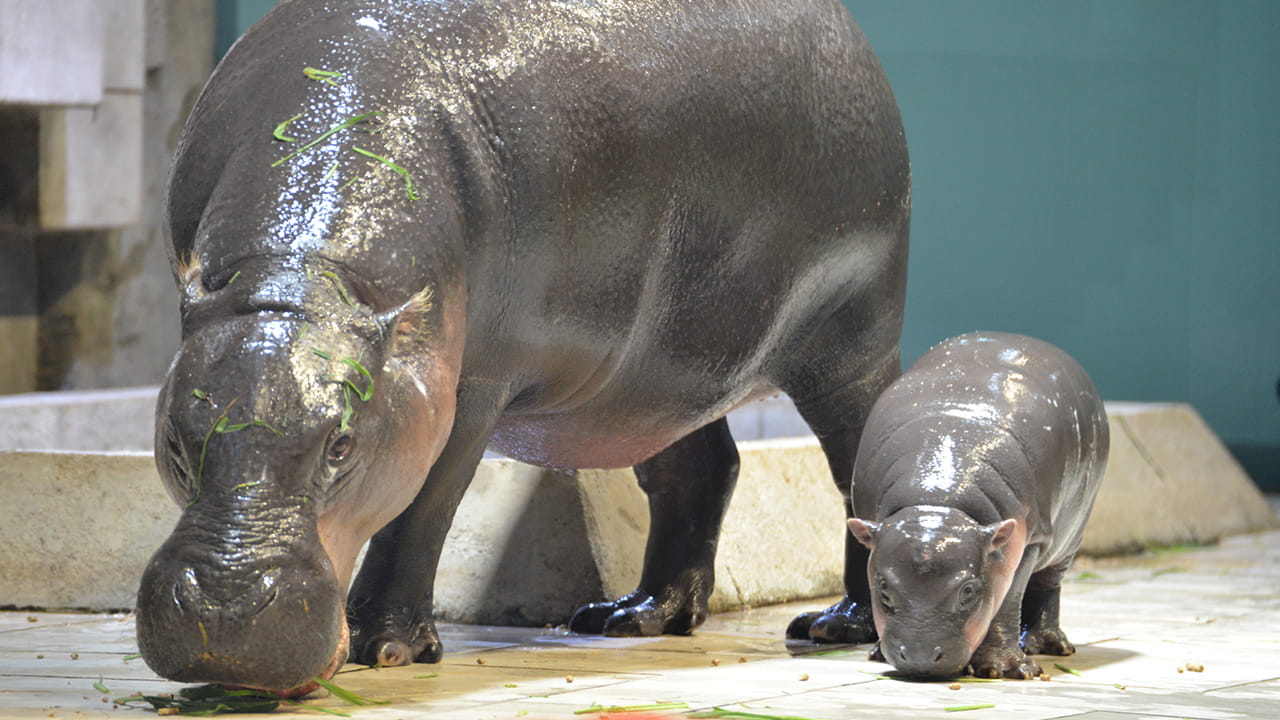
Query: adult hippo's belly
x=585 y=231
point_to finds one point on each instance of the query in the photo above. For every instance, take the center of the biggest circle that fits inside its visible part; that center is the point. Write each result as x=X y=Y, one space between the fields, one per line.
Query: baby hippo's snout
x=926 y=658
x=205 y=619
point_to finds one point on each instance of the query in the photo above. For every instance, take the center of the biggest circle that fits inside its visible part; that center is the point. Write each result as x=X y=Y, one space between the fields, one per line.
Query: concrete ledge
x=528 y=545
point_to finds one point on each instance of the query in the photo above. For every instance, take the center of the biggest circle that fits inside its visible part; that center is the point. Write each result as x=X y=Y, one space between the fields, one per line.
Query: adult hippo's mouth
x=231 y=616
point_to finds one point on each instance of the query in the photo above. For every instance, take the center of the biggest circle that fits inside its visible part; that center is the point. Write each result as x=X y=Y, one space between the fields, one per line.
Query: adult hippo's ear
x=1000 y=534
x=864 y=530
x=407 y=327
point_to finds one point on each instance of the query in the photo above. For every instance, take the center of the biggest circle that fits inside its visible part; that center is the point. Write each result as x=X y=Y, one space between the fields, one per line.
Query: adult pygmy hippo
x=582 y=230
x=973 y=483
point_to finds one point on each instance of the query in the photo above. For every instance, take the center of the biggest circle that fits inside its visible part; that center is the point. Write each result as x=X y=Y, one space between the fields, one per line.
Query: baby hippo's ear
x=1000 y=533
x=864 y=530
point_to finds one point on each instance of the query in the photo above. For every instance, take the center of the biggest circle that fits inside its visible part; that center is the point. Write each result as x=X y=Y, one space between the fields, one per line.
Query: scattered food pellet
x=715 y=662
x=1195 y=667
x=804 y=677
x=75 y=656
x=40 y=657
x=32 y=618
x=742 y=659
x=1045 y=677
x=168 y=711
x=479 y=661
x=1181 y=669
x=954 y=686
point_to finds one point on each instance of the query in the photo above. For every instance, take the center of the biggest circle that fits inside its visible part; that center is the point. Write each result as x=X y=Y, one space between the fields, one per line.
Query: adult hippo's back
x=585 y=230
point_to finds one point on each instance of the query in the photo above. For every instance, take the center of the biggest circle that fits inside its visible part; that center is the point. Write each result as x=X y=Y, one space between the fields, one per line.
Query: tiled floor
x=1136 y=621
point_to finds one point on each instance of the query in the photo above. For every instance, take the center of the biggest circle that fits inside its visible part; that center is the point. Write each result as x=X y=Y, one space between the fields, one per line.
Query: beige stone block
x=91 y=164
x=19 y=353
x=79 y=527
x=518 y=551
x=1194 y=491
x=124 y=44
x=51 y=52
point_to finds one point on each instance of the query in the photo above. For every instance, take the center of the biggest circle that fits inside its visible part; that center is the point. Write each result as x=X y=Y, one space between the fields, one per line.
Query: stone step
x=529 y=545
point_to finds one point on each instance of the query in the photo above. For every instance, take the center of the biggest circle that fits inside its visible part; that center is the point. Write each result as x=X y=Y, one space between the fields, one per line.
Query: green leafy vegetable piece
x=617 y=709
x=367 y=394
x=347 y=410
x=408 y=182
x=278 y=133
x=426 y=677
x=345 y=124
x=740 y=715
x=321 y=75
x=1066 y=669
x=342 y=289
x=199 y=394
x=208 y=700
x=133 y=656
x=963 y=708
x=100 y=687
x=317 y=708
x=347 y=695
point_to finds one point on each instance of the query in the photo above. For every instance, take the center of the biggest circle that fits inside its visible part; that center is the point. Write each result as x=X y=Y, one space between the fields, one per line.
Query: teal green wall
x=1104 y=174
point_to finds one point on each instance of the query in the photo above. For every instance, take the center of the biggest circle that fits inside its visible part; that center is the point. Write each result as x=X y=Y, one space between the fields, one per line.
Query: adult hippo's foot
x=392 y=639
x=640 y=615
x=846 y=622
x=688 y=486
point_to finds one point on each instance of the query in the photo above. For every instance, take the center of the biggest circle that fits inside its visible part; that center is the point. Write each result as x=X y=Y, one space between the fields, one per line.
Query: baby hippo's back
x=996 y=425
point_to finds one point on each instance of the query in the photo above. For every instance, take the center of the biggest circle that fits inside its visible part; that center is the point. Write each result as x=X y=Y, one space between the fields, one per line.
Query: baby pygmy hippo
x=975 y=476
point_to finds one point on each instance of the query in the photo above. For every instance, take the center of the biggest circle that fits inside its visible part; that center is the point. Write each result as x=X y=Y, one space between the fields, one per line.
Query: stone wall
x=86 y=297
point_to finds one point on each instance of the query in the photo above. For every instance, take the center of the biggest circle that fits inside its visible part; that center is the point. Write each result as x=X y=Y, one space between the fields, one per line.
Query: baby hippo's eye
x=882 y=591
x=340 y=449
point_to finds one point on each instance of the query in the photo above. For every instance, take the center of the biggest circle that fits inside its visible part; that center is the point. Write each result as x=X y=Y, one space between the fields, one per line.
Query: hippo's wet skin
x=584 y=231
x=973 y=483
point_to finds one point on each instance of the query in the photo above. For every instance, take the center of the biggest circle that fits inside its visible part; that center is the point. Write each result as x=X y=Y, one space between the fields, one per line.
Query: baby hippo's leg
x=1041 y=633
x=1001 y=654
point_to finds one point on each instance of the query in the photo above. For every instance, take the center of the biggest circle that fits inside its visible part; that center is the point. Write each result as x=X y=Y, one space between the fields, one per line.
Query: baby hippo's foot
x=639 y=615
x=845 y=622
x=1046 y=641
x=1003 y=661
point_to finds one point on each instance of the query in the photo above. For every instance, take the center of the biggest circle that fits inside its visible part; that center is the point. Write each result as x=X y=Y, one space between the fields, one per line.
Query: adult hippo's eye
x=340 y=449
x=967 y=595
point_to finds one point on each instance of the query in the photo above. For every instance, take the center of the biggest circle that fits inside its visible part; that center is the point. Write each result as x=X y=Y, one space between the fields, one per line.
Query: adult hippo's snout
x=212 y=613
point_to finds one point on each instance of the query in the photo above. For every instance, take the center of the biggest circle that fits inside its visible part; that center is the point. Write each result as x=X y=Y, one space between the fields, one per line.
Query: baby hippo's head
x=937 y=578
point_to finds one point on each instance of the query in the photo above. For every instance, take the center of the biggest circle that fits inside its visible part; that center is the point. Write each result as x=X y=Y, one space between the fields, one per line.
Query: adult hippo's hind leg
x=837 y=418
x=688 y=486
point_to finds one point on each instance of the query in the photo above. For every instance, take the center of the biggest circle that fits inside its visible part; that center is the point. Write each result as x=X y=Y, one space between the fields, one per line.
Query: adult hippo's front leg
x=390 y=606
x=688 y=486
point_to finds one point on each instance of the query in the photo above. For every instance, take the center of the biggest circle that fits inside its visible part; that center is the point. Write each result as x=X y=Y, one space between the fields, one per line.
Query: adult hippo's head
x=289 y=432
x=937 y=579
